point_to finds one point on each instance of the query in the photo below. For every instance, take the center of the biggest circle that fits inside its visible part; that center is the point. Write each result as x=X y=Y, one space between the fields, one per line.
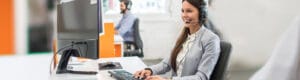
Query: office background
x=252 y=26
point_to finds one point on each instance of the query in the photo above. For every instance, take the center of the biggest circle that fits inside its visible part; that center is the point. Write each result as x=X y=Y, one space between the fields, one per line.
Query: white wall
x=252 y=26
x=21 y=25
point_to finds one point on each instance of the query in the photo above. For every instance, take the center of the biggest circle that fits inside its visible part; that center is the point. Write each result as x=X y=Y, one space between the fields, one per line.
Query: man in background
x=125 y=27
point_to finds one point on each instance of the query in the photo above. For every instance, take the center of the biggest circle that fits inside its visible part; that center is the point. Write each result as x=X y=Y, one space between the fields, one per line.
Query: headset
x=203 y=12
x=129 y=4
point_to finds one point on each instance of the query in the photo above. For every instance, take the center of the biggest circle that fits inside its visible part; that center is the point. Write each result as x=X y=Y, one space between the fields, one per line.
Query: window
x=138 y=7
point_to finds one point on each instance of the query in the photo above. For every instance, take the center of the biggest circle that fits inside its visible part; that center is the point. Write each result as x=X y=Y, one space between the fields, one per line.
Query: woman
x=196 y=51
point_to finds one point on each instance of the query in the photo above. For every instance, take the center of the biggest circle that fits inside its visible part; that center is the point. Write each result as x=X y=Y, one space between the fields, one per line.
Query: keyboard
x=122 y=75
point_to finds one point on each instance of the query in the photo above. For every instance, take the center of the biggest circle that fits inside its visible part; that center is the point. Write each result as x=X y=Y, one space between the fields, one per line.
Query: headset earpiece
x=129 y=4
x=203 y=14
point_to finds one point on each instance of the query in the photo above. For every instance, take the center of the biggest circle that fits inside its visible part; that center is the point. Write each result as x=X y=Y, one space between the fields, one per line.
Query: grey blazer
x=199 y=61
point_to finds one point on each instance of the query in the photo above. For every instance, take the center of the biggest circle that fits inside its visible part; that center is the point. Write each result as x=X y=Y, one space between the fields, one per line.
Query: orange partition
x=118 y=48
x=7 y=27
x=106 y=41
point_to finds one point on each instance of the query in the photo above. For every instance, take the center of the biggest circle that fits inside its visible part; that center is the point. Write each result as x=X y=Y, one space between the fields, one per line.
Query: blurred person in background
x=40 y=25
x=284 y=62
x=125 y=26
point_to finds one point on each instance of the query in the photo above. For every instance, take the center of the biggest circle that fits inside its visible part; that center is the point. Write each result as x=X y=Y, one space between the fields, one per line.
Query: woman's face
x=190 y=14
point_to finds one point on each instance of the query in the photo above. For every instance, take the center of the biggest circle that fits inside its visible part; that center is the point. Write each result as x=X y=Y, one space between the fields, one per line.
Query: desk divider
x=7 y=40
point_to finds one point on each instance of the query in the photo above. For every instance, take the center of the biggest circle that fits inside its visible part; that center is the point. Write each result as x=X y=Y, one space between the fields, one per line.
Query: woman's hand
x=156 y=77
x=142 y=74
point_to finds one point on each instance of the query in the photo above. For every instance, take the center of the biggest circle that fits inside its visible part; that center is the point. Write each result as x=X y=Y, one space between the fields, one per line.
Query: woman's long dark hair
x=200 y=5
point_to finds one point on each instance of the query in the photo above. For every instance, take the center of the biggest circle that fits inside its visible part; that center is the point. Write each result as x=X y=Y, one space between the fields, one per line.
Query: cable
x=57 y=52
x=79 y=50
x=87 y=48
x=60 y=64
x=63 y=48
x=68 y=45
x=83 y=42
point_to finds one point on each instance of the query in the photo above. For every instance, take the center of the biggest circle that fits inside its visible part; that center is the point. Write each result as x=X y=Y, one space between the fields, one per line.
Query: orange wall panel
x=106 y=41
x=7 y=27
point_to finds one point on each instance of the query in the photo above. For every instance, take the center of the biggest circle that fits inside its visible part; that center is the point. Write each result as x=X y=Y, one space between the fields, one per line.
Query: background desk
x=118 y=44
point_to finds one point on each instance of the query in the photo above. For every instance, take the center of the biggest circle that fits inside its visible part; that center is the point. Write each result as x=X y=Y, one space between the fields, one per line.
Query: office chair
x=137 y=43
x=221 y=66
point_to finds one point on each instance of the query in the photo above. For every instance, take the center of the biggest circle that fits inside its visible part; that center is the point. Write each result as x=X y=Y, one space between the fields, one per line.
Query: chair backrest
x=138 y=43
x=137 y=37
x=221 y=66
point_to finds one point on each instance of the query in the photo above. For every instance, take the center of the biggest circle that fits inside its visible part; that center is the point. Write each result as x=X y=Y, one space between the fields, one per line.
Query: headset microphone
x=190 y=21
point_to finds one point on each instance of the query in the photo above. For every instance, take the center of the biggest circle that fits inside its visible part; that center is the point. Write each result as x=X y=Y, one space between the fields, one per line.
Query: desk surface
x=29 y=67
x=118 y=38
x=37 y=67
x=130 y=64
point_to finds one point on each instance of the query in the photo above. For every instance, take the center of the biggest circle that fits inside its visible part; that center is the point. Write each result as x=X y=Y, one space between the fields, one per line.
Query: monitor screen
x=78 y=19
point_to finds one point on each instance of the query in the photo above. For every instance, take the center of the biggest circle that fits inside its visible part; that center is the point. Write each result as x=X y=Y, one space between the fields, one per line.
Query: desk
x=25 y=67
x=36 y=67
x=130 y=64
x=118 y=44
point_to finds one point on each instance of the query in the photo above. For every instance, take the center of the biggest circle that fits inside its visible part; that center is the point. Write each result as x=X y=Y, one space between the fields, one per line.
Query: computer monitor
x=100 y=18
x=79 y=24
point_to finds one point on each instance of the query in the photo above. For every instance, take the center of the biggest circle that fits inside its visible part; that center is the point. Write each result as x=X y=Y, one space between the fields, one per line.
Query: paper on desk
x=80 y=64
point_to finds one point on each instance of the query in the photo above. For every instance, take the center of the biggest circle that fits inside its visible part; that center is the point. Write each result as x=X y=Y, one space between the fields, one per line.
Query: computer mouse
x=109 y=65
